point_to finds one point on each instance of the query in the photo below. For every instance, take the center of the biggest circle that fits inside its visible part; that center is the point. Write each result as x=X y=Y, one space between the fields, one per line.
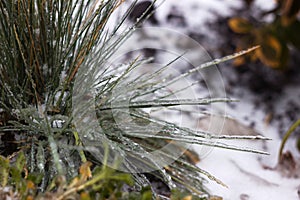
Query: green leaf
x=126 y=178
x=177 y=194
x=17 y=169
x=147 y=195
x=4 y=171
x=36 y=178
x=21 y=161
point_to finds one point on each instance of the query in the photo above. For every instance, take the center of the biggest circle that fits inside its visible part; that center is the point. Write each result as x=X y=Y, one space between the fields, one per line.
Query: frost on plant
x=66 y=100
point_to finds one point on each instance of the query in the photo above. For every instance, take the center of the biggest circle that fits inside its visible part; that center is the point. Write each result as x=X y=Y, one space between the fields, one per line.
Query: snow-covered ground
x=251 y=176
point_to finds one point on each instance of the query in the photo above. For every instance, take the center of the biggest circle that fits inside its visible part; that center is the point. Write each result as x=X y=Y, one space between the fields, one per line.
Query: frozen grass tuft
x=45 y=49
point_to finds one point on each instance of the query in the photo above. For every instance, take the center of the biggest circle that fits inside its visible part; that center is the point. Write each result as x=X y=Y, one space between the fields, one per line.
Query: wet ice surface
x=248 y=176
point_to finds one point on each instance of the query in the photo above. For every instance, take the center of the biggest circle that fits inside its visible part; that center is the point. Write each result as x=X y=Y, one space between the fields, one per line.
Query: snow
x=262 y=4
x=252 y=180
x=197 y=12
x=244 y=173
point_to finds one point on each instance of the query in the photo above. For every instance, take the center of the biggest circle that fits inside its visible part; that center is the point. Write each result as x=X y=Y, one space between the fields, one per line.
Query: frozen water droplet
x=41 y=166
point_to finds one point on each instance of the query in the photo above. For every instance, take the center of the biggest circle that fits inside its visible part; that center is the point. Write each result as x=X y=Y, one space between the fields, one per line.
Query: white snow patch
x=197 y=12
x=265 y=5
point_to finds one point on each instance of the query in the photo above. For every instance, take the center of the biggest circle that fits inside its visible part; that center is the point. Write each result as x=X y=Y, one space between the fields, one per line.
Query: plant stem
x=286 y=136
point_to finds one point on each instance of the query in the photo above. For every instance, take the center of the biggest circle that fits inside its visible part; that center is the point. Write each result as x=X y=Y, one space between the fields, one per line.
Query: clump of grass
x=47 y=50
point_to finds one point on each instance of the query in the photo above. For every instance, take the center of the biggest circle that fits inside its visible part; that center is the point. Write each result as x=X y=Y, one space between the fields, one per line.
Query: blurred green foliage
x=274 y=37
x=102 y=182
